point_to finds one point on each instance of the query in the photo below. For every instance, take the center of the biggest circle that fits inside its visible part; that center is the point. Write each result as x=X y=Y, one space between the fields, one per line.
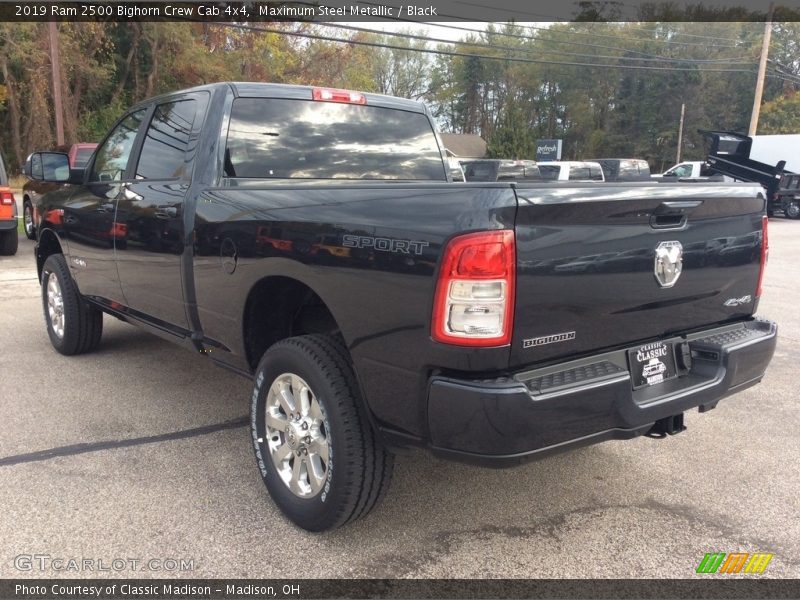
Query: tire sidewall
x=51 y=268
x=27 y=207
x=47 y=272
x=321 y=511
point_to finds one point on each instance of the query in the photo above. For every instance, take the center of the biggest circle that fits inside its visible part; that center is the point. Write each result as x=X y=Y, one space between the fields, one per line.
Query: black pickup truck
x=310 y=239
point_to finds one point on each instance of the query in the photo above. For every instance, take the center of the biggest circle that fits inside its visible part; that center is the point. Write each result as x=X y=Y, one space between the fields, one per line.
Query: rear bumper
x=535 y=413
x=8 y=224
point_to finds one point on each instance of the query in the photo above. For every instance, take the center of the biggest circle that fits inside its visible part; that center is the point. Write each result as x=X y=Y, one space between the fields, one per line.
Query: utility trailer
x=729 y=154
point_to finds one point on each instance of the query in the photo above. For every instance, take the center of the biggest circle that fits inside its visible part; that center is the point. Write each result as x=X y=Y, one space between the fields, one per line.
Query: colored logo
x=737 y=562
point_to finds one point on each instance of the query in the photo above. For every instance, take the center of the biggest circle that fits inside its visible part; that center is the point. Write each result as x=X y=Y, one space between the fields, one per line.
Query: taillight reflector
x=6 y=197
x=764 y=254
x=332 y=95
x=474 y=301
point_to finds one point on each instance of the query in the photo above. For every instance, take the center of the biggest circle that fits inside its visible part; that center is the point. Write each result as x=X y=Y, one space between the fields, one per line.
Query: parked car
x=78 y=155
x=571 y=170
x=9 y=238
x=624 y=169
x=443 y=322
x=500 y=170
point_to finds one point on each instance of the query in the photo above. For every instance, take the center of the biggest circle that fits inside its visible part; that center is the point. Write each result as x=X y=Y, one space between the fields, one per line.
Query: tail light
x=474 y=302
x=331 y=95
x=6 y=198
x=764 y=254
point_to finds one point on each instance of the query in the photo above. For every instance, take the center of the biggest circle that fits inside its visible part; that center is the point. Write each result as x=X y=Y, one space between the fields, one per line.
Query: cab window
x=684 y=170
x=167 y=142
x=112 y=157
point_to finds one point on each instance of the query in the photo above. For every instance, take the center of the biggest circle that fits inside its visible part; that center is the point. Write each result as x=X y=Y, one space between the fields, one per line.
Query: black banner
x=415 y=11
x=155 y=589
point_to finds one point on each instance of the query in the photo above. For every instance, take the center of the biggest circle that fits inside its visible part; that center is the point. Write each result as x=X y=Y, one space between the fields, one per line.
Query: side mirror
x=50 y=167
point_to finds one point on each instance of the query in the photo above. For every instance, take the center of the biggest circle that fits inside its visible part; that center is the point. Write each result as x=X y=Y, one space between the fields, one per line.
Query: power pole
x=762 y=69
x=680 y=135
x=55 y=67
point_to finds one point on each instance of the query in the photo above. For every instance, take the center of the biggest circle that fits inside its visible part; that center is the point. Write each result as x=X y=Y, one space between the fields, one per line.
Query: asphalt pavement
x=139 y=452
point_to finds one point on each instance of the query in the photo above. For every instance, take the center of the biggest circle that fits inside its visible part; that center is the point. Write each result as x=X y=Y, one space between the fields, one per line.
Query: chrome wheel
x=793 y=210
x=297 y=436
x=55 y=305
x=27 y=217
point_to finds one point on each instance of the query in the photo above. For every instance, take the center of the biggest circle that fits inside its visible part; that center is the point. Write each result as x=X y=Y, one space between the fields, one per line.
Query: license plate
x=652 y=364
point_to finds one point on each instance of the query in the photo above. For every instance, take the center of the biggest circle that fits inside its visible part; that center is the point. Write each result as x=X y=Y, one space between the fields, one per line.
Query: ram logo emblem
x=669 y=263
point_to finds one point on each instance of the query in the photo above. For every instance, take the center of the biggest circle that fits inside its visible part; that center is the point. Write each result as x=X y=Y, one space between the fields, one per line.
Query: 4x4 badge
x=669 y=263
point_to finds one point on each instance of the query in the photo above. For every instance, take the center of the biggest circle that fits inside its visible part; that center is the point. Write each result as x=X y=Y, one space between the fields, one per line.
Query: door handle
x=131 y=195
x=167 y=212
x=673 y=214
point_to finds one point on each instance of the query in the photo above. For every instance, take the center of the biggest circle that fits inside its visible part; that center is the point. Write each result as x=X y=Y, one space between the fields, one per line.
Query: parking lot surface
x=139 y=451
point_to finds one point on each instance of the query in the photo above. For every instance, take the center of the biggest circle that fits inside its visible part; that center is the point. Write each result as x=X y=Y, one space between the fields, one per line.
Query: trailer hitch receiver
x=666 y=426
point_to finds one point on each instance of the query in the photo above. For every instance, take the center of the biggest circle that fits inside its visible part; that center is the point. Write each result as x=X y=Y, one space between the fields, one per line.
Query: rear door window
x=274 y=138
x=167 y=141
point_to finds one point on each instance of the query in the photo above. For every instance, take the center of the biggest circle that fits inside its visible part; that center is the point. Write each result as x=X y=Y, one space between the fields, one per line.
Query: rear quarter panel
x=381 y=298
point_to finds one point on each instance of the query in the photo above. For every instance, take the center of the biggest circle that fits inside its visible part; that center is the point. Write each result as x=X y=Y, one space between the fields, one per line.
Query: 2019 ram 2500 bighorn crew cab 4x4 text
x=310 y=239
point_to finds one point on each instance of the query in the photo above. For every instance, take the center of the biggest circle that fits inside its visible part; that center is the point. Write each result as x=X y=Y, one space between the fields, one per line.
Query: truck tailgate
x=586 y=263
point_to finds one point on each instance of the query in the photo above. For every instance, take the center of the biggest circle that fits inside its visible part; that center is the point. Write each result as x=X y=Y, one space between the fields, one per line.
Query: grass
x=20 y=226
x=17 y=181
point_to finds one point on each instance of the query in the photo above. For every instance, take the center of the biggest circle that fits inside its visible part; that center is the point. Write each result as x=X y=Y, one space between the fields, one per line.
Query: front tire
x=27 y=219
x=305 y=411
x=74 y=326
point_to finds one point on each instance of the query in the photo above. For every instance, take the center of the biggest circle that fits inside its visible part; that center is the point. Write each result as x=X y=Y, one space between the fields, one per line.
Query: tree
x=781 y=115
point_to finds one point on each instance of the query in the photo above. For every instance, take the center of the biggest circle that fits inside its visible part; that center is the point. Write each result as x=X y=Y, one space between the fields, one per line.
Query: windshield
x=299 y=139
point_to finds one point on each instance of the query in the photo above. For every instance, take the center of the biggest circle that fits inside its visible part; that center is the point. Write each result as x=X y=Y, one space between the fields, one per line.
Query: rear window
x=480 y=171
x=299 y=139
x=579 y=173
x=628 y=168
x=549 y=171
x=82 y=156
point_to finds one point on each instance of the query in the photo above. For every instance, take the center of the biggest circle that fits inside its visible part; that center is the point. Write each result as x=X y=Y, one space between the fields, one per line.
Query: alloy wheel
x=297 y=437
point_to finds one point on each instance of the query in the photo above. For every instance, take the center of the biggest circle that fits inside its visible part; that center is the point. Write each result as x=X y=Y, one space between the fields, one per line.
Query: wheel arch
x=281 y=306
x=48 y=244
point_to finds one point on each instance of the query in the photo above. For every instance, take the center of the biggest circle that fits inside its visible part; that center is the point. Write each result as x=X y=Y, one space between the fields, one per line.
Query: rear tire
x=305 y=410
x=27 y=220
x=74 y=326
x=792 y=210
x=9 y=242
